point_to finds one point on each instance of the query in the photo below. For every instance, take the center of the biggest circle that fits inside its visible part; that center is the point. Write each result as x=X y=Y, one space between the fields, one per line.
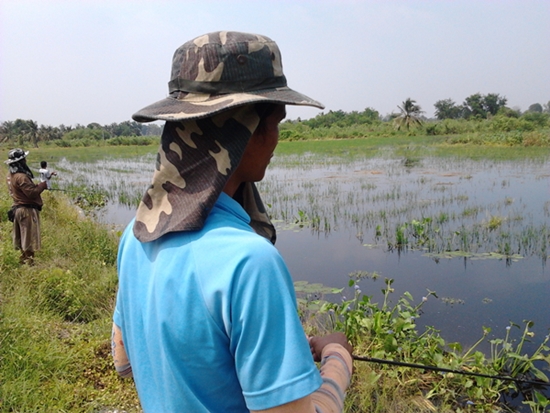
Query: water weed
x=388 y=332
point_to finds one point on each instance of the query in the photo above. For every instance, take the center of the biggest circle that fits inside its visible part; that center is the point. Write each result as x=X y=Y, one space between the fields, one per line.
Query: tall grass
x=528 y=130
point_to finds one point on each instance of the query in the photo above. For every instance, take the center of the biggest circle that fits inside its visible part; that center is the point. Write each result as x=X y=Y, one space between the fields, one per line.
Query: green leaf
x=390 y=344
x=539 y=374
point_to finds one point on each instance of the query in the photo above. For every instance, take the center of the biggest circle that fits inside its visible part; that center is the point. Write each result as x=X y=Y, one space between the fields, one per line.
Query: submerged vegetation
x=429 y=204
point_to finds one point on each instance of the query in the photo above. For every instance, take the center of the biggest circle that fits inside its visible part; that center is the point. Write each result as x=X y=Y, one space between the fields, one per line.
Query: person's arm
x=30 y=189
x=336 y=370
x=120 y=358
x=334 y=352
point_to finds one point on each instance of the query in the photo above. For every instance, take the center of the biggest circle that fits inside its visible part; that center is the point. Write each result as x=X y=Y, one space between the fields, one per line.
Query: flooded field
x=475 y=232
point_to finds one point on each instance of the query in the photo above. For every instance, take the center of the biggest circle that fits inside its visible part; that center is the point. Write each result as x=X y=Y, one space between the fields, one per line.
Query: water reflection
x=493 y=293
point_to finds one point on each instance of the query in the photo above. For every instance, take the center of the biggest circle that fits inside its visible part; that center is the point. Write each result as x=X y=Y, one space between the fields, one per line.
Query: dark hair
x=264 y=110
x=43 y=164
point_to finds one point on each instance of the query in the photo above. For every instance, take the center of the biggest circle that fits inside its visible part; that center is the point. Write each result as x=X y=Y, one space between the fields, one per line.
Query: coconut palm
x=410 y=114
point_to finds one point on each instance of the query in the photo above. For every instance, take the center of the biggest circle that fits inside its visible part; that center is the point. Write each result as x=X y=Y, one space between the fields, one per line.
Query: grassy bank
x=55 y=317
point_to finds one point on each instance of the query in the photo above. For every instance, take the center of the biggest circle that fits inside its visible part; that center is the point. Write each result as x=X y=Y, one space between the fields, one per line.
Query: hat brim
x=10 y=161
x=201 y=105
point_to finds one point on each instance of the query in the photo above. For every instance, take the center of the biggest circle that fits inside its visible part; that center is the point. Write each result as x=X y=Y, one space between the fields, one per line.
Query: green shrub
x=539 y=119
x=506 y=124
x=536 y=138
x=290 y=135
x=64 y=294
x=62 y=143
x=133 y=140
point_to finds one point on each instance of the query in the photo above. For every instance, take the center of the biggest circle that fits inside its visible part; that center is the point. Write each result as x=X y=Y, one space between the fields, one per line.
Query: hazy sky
x=80 y=61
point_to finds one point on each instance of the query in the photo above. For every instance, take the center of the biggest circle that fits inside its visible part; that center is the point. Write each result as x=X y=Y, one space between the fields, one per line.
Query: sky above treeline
x=82 y=61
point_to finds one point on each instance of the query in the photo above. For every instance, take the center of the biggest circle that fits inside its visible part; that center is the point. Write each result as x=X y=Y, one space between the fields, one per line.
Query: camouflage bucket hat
x=222 y=70
x=15 y=155
x=194 y=162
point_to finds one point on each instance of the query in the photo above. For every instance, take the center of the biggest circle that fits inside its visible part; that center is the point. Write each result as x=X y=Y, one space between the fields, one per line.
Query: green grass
x=411 y=146
x=52 y=154
x=55 y=317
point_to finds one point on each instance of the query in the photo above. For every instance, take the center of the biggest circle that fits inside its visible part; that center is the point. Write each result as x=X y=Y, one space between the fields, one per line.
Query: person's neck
x=231 y=186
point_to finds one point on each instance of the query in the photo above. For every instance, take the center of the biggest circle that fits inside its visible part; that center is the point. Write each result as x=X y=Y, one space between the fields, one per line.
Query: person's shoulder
x=20 y=177
x=237 y=239
x=255 y=248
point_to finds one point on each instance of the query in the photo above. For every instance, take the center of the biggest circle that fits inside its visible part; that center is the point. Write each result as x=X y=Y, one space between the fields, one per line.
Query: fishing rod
x=64 y=190
x=445 y=370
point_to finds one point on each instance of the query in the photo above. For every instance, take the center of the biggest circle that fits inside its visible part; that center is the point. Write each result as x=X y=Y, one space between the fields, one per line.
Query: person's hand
x=54 y=173
x=317 y=344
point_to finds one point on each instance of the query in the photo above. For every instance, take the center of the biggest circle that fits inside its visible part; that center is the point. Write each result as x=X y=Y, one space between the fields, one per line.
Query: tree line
x=474 y=107
x=22 y=131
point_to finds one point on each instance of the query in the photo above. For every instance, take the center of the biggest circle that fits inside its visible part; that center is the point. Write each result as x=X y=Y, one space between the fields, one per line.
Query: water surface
x=337 y=215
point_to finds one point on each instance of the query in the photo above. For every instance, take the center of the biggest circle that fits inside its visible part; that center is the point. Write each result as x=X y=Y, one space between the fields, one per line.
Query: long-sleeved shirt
x=24 y=191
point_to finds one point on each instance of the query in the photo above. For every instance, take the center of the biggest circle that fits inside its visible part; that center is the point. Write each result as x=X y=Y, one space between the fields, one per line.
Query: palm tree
x=410 y=114
x=7 y=131
x=32 y=130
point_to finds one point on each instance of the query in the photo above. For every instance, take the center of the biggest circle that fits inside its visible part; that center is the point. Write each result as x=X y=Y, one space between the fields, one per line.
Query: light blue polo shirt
x=209 y=319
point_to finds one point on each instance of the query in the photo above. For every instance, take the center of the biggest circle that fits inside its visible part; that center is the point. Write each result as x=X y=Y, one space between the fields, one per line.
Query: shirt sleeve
x=30 y=190
x=272 y=355
x=336 y=368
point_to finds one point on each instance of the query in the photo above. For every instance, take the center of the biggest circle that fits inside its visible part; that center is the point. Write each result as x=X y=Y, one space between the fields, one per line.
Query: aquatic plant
x=385 y=331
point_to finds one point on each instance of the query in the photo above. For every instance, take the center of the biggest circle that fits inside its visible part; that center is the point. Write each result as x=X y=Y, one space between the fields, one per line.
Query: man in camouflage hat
x=206 y=316
x=27 y=204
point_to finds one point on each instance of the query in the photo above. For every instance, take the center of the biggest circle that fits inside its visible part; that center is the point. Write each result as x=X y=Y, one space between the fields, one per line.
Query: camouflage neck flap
x=194 y=162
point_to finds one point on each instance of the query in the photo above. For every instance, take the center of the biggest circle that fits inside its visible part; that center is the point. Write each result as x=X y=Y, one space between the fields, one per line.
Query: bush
x=290 y=135
x=506 y=124
x=62 y=143
x=133 y=140
x=539 y=119
x=536 y=138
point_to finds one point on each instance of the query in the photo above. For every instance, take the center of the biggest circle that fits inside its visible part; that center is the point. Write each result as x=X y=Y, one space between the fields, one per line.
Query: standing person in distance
x=206 y=315
x=45 y=174
x=27 y=204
